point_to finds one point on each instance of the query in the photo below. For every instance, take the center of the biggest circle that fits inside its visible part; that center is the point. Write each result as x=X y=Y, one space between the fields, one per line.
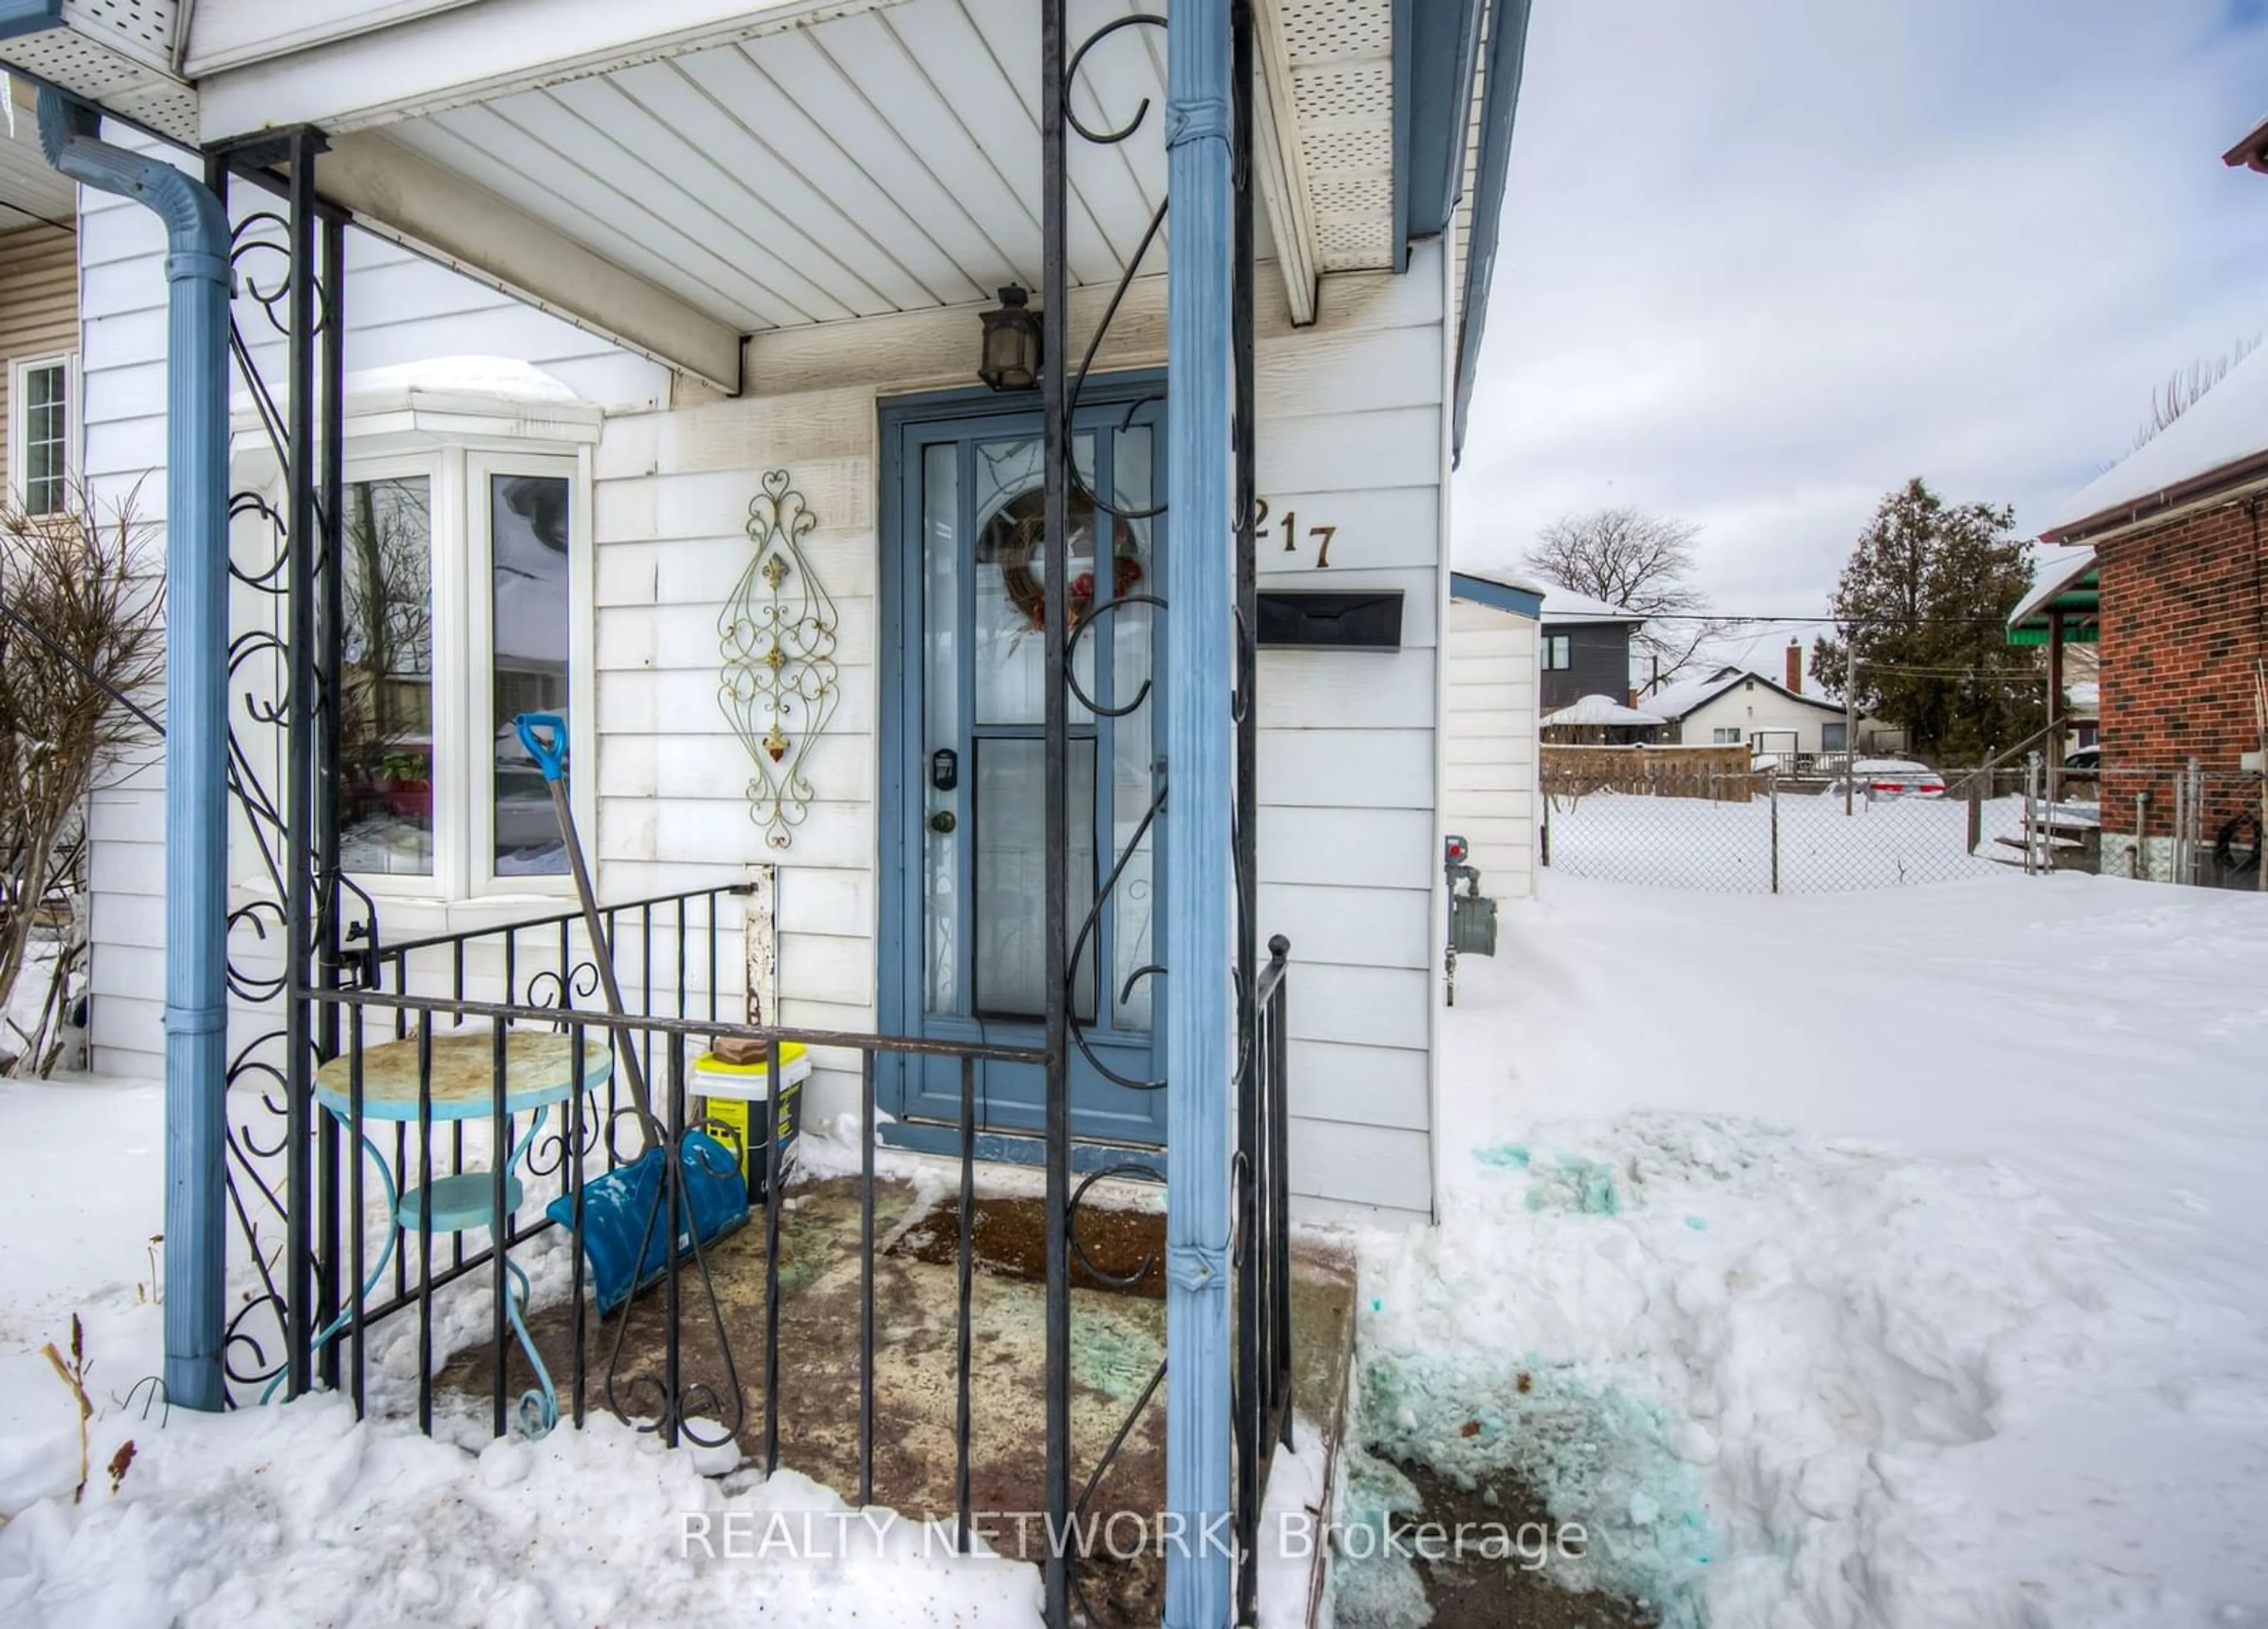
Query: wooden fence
x=1718 y=773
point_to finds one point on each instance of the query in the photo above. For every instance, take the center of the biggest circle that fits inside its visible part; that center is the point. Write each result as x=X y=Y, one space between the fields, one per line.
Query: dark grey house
x=1585 y=647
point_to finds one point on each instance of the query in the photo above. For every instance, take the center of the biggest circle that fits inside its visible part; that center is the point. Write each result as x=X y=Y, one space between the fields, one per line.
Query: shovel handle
x=550 y=756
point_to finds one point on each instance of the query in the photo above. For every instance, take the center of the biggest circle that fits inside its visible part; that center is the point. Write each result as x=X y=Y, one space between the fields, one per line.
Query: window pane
x=385 y=680
x=527 y=536
x=1011 y=874
x=941 y=652
x=46 y=420
x=1010 y=568
x=1133 y=572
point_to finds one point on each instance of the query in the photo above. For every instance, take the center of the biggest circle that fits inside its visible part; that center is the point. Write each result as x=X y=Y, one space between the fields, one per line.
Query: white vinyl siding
x=1490 y=790
x=1352 y=436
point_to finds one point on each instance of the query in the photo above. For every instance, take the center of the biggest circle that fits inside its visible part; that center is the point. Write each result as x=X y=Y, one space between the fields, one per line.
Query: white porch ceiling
x=683 y=171
x=879 y=162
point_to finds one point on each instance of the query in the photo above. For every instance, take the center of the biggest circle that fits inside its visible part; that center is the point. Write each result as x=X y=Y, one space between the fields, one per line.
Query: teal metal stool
x=460 y=1086
x=460 y=1203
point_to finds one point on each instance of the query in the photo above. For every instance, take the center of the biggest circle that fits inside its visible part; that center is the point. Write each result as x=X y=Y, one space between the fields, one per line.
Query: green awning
x=2073 y=593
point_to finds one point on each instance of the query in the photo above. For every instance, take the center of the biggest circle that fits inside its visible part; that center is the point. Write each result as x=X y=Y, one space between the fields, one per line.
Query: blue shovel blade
x=623 y=1207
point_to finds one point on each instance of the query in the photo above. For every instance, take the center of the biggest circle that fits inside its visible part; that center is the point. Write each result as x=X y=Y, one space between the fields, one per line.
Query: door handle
x=942 y=821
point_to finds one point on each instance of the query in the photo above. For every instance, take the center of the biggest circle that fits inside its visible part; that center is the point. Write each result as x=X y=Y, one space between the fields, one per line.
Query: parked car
x=2083 y=761
x=1892 y=777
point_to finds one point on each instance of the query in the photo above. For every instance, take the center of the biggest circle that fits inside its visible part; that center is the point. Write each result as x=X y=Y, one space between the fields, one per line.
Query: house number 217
x=1322 y=534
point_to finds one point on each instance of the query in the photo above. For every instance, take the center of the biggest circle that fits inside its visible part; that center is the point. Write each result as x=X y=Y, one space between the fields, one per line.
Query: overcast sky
x=1765 y=259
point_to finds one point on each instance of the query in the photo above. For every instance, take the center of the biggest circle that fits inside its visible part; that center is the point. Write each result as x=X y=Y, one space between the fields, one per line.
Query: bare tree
x=82 y=628
x=2185 y=388
x=1639 y=561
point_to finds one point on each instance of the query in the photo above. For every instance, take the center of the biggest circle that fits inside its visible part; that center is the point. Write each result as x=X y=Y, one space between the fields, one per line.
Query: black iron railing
x=698 y=1375
x=534 y=974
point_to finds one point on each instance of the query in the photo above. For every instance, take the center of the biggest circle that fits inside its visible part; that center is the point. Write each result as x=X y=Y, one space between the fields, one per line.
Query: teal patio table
x=538 y=1071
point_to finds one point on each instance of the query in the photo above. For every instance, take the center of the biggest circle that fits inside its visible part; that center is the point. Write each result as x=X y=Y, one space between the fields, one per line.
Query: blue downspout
x=1201 y=780
x=196 y=732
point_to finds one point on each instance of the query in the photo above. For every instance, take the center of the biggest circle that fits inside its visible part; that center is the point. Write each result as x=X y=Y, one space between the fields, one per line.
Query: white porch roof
x=682 y=173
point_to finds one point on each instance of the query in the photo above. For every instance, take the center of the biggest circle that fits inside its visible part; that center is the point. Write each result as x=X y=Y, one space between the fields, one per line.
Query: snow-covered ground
x=276 y=1518
x=1888 y=1259
x=1878 y=1258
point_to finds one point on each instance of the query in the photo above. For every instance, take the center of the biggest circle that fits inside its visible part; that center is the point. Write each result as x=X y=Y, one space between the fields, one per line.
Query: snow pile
x=297 y=1515
x=1978 y=1340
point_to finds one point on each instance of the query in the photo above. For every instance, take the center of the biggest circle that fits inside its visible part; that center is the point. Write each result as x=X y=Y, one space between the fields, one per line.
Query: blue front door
x=963 y=940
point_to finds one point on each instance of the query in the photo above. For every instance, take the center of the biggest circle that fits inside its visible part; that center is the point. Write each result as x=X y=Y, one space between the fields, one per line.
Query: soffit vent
x=1341 y=55
x=116 y=53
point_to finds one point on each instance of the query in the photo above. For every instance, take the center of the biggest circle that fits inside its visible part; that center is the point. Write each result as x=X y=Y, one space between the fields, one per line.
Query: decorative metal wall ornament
x=780 y=684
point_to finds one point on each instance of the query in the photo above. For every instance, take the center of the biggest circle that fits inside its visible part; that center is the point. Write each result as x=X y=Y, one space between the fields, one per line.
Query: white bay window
x=466 y=586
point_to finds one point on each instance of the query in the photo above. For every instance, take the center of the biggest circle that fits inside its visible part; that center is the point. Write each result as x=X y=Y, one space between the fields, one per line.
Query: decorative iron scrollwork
x=780 y=684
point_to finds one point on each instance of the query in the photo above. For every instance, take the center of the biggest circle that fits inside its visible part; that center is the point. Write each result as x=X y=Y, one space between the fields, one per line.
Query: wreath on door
x=1012 y=559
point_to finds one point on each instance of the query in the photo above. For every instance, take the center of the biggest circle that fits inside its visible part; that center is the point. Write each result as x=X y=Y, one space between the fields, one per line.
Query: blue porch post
x=1201 y=784
x=196 y=733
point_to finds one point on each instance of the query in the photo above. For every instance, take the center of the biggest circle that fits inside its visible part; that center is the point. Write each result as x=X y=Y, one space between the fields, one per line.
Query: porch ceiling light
x=1012 y=343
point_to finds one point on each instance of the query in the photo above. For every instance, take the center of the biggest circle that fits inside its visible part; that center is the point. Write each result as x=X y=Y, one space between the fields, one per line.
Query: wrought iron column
x=286 y=661
x=1198 y=840
x=330 y=618
x=302 y=688
x=1055 y=403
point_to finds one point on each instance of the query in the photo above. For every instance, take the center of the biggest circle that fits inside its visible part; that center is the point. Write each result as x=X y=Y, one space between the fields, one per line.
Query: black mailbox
x=1331 y=619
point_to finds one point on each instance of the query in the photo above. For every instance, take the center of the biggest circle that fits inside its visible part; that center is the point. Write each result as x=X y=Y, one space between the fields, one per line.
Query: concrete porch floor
x=1117 y=1341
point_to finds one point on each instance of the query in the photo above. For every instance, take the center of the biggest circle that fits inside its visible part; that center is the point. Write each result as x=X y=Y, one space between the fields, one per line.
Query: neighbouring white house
x=1489 y=730
x=602 y=281
x=1732 y=706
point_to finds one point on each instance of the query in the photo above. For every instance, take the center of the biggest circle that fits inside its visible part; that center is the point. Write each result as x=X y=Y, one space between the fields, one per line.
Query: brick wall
x=2183 y=625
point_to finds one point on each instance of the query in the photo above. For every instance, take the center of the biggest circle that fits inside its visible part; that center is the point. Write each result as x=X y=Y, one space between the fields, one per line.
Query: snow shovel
x=623 y=1238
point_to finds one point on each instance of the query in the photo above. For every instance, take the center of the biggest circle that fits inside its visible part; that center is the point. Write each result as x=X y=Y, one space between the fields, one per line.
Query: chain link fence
x=1766 y=832
x=2194 y=824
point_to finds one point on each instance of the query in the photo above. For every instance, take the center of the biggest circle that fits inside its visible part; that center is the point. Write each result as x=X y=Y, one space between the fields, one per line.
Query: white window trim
x=464 y=814
x=18 y=367
x=446 y=881
x=479 y=645
x=444 y=435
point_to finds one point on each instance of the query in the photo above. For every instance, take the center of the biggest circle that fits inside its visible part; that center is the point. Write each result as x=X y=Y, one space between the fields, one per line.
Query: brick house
x=2158 y=563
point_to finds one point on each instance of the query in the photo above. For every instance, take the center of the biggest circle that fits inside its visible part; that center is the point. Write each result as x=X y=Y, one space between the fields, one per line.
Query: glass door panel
x=973 y=681
x=1011 y=874
x=1010 y=579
